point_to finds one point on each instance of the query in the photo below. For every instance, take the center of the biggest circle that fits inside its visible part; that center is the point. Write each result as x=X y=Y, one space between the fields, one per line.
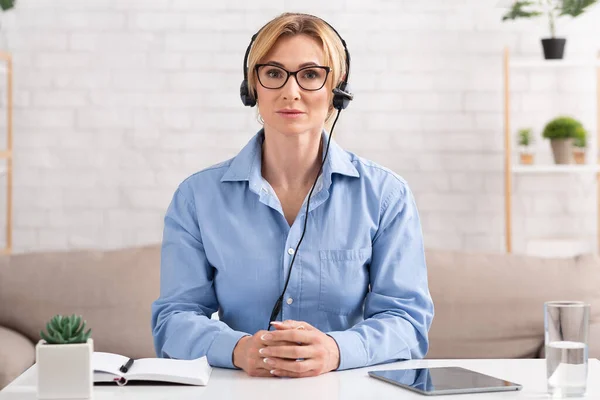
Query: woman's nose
x=291 y=89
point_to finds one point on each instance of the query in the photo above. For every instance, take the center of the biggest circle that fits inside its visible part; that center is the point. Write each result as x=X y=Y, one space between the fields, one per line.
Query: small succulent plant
x=65 y=330
x=525 y=137
x=580 y=140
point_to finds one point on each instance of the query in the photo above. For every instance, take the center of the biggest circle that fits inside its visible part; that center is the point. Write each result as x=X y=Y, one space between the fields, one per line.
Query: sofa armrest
x=17 y=353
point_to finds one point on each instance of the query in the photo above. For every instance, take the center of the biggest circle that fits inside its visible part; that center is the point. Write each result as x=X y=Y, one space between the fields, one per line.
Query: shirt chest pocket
x=344 y=279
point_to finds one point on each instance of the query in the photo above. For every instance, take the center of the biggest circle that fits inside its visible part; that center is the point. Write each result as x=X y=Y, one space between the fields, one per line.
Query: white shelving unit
x=553 y=169
x=534 y=63
x=511 y=169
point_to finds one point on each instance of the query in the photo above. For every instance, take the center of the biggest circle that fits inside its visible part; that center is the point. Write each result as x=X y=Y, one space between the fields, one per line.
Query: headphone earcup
x=245 y=95
x=340 y=101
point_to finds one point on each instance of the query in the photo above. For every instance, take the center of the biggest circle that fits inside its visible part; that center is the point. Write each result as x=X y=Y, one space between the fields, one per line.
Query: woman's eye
x=311 y=74
x=274 y=73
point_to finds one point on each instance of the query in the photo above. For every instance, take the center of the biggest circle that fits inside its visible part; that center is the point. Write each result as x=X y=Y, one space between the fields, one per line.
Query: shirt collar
x=246 y=166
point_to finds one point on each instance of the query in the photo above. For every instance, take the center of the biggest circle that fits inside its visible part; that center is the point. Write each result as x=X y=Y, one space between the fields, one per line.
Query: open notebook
x=190 y=372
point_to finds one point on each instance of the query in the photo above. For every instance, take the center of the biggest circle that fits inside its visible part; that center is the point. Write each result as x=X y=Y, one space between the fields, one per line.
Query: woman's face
x=292 y=110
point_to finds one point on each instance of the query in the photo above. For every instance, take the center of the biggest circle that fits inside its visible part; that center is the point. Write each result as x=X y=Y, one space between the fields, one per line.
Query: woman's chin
x=292 y=128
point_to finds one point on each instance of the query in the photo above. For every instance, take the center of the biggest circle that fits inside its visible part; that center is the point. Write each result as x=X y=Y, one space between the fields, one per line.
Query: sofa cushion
x=492 y=305
x=112 y=290
x=17 y=353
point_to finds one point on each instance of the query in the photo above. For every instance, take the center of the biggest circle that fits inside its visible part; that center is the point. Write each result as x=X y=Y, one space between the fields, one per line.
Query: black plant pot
x=554 y=48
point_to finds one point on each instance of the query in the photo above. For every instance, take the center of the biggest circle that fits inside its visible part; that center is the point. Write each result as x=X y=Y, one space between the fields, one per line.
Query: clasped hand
x=295 y=349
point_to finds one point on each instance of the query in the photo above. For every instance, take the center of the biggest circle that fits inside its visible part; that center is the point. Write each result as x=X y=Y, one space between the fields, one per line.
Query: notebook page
x=108 y=362
x=194 y=372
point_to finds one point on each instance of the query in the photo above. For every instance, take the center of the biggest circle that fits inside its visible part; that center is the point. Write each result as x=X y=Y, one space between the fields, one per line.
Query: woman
x=354 y=293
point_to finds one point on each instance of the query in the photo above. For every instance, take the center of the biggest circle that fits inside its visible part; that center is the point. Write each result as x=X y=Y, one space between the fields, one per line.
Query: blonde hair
x=291 y=24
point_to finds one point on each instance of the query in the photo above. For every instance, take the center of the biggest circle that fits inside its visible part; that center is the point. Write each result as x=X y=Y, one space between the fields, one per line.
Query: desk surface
x=352 y=384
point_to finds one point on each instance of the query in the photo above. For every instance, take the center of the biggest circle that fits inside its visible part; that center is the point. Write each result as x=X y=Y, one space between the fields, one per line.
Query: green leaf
x=74 y=324
x=68 y=329
x=519 y=10
x=49 y=328
x=59 y=337
x=45 y=337
x=80 y=328
x=51 y=339
x=575 y=8
x=54 y=323
x=74 y=339
x=7 y=4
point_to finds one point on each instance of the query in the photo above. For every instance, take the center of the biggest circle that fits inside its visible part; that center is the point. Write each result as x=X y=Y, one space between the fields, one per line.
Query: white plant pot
x=64 y=370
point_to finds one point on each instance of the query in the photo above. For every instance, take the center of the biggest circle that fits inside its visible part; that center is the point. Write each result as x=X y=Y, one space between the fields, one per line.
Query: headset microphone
x=340 y=92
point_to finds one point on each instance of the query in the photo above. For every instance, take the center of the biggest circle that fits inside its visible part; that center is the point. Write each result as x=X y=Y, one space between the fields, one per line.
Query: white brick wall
x=117 y=101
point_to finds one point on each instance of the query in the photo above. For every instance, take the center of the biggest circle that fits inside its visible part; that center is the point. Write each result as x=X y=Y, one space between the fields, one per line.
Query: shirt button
x=290 y=300
x=291 y=251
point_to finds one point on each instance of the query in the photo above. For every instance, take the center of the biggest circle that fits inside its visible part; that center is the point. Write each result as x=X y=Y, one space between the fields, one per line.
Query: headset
x=341 y=99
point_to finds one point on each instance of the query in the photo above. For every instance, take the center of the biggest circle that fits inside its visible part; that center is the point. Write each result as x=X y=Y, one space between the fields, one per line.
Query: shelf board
x=536 y=63
x=558 y=247
x=553 y=168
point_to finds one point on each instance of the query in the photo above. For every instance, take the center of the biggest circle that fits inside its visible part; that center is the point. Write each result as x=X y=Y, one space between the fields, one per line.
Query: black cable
x=279 y=302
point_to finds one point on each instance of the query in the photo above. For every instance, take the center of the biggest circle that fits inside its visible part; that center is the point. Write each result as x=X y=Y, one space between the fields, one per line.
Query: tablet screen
x=444 y=380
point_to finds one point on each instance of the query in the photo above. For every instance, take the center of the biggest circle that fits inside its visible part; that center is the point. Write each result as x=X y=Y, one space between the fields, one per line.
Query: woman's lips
x=290 y=114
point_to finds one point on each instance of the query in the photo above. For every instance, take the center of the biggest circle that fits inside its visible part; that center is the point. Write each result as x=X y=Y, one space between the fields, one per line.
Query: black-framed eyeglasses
x=308 y=78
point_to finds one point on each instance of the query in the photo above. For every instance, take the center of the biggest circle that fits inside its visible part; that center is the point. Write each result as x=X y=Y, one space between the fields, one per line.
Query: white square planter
x=64 y=370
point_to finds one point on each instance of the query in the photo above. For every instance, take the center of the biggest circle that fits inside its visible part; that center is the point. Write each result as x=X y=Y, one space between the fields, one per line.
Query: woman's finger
x=289 y=374
x=291 y=324
x=290 y=352
x=289 y=335
x=261 y=372
x=298 y=366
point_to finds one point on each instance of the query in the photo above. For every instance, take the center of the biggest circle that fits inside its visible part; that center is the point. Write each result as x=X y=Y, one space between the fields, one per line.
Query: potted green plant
x=64 y=359
x=7 y=4
x=525 y=138
x=561 y=131
x=553 y=47
x=579 y=145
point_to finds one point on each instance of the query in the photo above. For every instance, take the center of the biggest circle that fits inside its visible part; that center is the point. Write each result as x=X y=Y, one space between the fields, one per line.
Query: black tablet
x=444 y=380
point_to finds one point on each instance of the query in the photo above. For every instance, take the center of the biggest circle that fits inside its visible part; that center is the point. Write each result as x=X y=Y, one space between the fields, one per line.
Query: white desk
x=347 y=385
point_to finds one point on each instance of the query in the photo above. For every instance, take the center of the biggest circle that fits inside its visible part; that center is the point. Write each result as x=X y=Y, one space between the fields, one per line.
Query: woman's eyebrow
x=306 y=64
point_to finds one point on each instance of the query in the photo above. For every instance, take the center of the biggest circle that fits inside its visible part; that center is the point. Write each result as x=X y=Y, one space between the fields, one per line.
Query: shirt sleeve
x=182 y=327
x=398 y=308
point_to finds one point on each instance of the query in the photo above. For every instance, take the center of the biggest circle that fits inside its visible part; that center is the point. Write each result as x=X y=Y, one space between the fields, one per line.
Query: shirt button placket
x=291 y=251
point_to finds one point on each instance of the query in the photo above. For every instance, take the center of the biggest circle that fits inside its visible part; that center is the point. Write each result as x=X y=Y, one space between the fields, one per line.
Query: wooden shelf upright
x=6 y=66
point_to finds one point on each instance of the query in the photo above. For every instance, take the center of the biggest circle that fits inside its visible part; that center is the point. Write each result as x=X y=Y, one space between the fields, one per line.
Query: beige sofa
x=487 y=306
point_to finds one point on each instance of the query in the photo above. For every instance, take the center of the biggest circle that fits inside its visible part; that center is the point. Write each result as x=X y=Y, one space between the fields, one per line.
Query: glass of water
x=566 y=325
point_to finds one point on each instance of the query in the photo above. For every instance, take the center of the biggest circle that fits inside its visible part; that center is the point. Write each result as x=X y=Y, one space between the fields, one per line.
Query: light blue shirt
x=359 y=275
